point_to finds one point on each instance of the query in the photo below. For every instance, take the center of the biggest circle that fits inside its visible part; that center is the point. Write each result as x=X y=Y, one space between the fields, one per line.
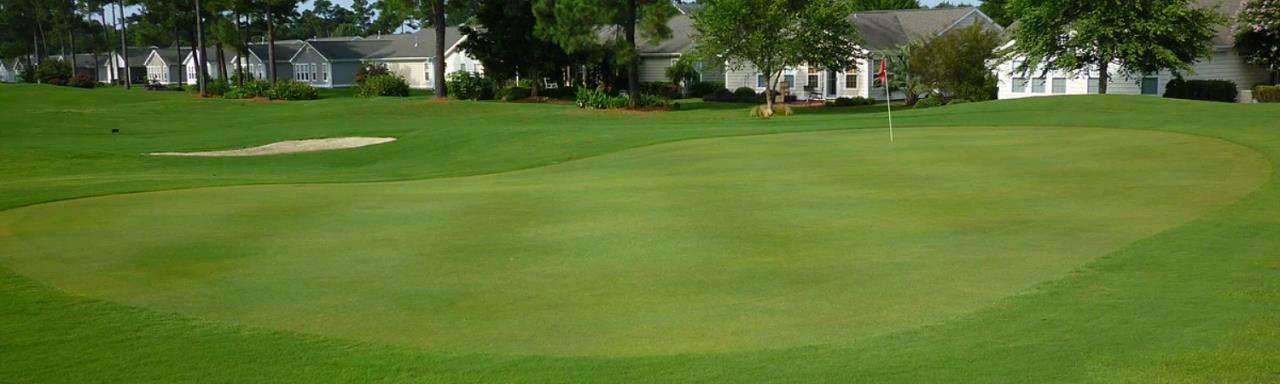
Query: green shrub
x=850 y=102
x=654 y=101
x=720 y=95
x=704 y=88
x=466 y=86
x=369 y=70
x=1208 y=90
x=661 y=89
x=1267 y=93
x=618 y=102
x=82 y=81
x=383 y=85
x=933 y=100
x=56 y=72
x=236 y=93
x=292 y=90
x=592 y=98
x=256 y=88
x=217 y=87
x=746 y=95
x=514 y=93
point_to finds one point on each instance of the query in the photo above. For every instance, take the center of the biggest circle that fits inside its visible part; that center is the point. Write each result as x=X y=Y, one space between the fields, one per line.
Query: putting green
x=698 y=246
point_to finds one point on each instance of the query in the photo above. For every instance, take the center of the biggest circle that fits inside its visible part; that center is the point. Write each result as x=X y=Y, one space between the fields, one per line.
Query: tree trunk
x=202 y=63
x=124 y=46
x=438 y=70
x=243 y=56
x=271 y=46
x=633 y=69
x=72 y=38
x=222 y=62
x=177 y=44
x=1103 y=76
x=535 y=82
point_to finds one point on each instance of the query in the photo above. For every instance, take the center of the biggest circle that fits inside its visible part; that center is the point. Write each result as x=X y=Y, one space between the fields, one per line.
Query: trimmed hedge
x=720 y=95
x=704 y=88
x=933 y=100
x=661 y=89
x=850 y=102
x=746 y=95
x=1207 y=90
x=514 y=93
x=383 y=85
x=82 y=81
x=1267 y=93
x=292 y=90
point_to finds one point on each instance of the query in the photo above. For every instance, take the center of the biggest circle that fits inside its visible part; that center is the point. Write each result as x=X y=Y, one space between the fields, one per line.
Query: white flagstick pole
x=888 y=103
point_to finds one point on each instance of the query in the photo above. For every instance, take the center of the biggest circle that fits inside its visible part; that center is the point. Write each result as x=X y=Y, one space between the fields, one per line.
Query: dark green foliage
x=1266 y=94
x=513 y=93
x=369 y=70
x=383 y=85
x=292 y=90
x=82 y=81
x=703 y=88
x=1140 y=36
x=597 y=98
x=507 y=45
x=998 y=10
x=1258 y=33
x=746 y=95
x=592 y=98
x=850 y=102
x=957 y=62
x=772 y=35
x=933 y=100
x=257 y=88
x=468 y=86
x=959 y=101
x=55 y=72
x=682 y=74
x=1207 y=90
x=660 y=88
x=720 y=95
x=876 y=5
x=218 y=87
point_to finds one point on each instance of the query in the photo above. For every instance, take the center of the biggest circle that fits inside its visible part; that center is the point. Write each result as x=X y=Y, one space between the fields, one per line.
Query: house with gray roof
x=655 y=58
x=332 y=63
x=255 y=63
x=164 y=66
x=1224 y=63
x=882 y=32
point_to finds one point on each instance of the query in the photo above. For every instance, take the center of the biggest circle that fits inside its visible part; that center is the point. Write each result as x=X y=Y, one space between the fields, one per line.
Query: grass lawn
x=1067 y=239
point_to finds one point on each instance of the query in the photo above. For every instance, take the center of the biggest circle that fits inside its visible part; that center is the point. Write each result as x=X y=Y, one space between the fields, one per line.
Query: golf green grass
x=1073 y=239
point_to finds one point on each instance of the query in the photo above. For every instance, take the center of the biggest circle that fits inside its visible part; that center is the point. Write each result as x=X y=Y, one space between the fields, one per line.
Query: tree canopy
x=507 y=45
x=772 y=35
x=875 y=5
x=957 y=62
x=1141 y=36
x=1258 y=34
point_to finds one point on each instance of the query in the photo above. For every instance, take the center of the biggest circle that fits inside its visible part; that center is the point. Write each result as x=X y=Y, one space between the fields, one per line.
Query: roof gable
x=883 y=30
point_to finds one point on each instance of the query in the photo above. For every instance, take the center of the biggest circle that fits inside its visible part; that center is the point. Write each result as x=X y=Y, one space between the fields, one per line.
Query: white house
x=881 y=32
x=1225 y=63
x=332 y=63
x=164 y=66
x=656 y=58
x=7 y=73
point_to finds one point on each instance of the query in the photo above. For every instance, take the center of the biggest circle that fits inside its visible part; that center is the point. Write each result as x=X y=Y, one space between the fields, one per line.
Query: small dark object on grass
x=115 y=130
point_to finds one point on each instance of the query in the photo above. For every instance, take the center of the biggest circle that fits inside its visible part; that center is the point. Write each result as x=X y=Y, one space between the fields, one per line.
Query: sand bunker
x=289 y=146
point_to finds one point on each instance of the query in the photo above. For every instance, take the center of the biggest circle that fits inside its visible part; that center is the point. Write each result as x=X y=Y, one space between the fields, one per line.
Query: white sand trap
x=289 y=146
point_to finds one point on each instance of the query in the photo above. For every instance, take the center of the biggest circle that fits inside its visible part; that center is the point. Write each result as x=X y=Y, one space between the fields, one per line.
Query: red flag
x=883 y=74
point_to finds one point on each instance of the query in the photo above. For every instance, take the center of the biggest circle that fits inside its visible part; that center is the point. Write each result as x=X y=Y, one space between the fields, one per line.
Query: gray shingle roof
x=1226 y=33
x=881 y=30
x=418 y=44
x=348 y=50
x=285 y=49
x=681 y=40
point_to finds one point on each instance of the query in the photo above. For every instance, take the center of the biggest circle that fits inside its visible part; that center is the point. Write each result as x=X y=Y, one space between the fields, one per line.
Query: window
x=813 y=80
x=1059 y=85
x=851 y=80
x=1037 y=85
x=324 y=74
x=191 y=73
x=759 y=80
x=462 y=67
x=1094 y=85
x=1150 y=86
x=791 y=81
x=1019 y=85
x=314 y=75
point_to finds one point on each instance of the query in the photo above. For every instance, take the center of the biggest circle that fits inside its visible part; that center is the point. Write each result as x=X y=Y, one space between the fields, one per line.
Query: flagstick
x=888 y=103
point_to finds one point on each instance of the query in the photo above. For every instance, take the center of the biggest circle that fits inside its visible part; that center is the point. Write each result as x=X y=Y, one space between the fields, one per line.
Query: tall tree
x=957 y=62
x=437 y=19
x=998 y=10
x=575 y=25
x=124 y=45
x=361 y=15
x=1140 y=36
x=201 y=62
x=772 y=35
x=1258 y=34
x=507 y=45
x=875 y=5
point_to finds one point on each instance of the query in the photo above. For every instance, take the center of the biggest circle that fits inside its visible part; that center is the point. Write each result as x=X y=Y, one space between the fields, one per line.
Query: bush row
x=597 y=98
x=1267 y=93
x=855 y=101
x=281 y=90
x=1208 y=90
x=382 y=85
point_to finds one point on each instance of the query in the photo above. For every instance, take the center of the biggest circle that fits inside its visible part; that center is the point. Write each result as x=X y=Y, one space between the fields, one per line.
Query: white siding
x=1223 y=65
x=746 y=77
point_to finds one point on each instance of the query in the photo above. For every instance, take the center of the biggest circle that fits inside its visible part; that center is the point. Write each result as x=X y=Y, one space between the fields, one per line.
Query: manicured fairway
x=1051 y=240
x=705 y=245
